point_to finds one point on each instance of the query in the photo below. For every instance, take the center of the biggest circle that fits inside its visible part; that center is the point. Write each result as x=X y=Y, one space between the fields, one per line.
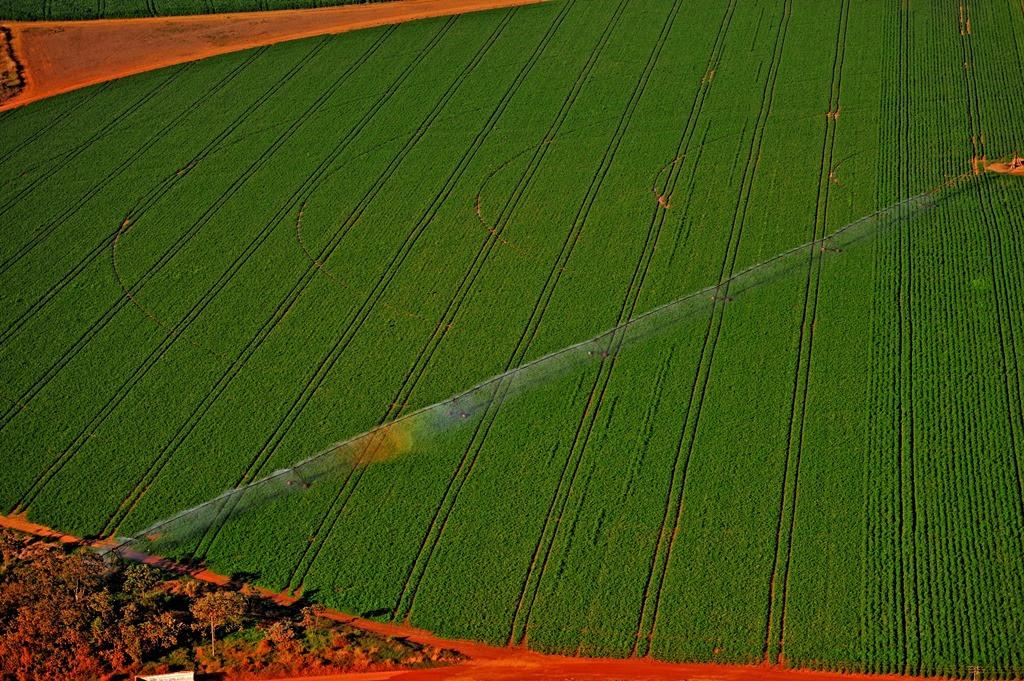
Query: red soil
x=1015 y=166
x=60 y=56
x=494 y=663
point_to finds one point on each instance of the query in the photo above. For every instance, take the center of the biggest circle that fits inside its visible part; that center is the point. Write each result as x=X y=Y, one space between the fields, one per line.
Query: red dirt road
x=496 y=663
x=549 y=668
x=60 y=56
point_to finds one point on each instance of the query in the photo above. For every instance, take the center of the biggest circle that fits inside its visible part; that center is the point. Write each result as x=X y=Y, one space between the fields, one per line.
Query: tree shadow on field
x=379 y=613
x=307 y=598
x=237 y=579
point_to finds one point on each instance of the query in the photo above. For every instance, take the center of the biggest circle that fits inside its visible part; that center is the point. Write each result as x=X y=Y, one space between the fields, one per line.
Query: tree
x=219 y=610
x=141 y=582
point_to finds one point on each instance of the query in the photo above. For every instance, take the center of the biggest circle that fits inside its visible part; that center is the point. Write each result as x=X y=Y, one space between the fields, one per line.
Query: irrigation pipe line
x=365 y=447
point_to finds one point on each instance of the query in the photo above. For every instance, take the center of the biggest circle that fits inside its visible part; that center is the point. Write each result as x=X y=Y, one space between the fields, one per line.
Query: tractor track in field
x=124 y=114
x=86 y=337
x=197 y=308
x=298 y=198
x=339 y=503
x=134 y=213
x=478 y=204
x=647 y=427
x=683 y=234
x=306 y=191
x=455 y=483
x=404 y=605
x=326 y=363
x=494 y=229
x=321 y=266
x=317 y=263
x=463 y=289
x=139 y=209
x=688 y=434
x=645 y=615
x=778 y=585
x=57 y=120
x=355 y=323
x=156 y=193
x=54 y=224
x=485 y=662
x=598 y=389
x=316 y=259
x=906 y=621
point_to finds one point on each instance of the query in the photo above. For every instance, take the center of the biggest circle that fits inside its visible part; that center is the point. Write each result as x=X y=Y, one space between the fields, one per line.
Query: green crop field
x=31 y=10
x=216 y=269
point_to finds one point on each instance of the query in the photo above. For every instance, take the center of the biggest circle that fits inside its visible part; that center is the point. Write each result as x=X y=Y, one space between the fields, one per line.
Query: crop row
x=222 y=267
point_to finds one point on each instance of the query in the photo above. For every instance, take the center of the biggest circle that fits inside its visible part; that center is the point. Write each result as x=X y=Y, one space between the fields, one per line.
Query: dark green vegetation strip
x=56 y=10
x=211 y=271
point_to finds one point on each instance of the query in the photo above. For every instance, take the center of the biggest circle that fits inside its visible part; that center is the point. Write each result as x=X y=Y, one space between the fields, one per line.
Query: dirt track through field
x=61 y=56
x=489 y=662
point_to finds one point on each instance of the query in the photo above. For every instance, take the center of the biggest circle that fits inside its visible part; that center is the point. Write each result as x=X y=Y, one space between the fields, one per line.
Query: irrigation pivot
x=396 y=437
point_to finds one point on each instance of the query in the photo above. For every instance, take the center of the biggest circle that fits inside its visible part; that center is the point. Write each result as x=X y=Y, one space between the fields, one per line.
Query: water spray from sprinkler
x=396 y=437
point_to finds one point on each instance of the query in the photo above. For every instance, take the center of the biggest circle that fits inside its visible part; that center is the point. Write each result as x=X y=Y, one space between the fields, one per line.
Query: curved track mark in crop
x=126 y=291
x=330 y=359
x=478 y=205
x=662 y=199
x=286 y=304
x=53 y=224
x=127 y=224
x=465 y=285
x=299 y=195
x=702 y=375
x=147 y=201
x=338 y=504
x=323 y=367
x=462 y=474
x=193 y=313
x=173 y=333
x=138 y=210
x=494 y=229
x=317 y=261
x=86 y=337
x=142 y=205
x=314 y=260
x=438 y=525
x=408 y=593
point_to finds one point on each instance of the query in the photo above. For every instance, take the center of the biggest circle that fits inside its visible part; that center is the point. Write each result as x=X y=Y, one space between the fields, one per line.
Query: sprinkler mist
x=397 y=437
